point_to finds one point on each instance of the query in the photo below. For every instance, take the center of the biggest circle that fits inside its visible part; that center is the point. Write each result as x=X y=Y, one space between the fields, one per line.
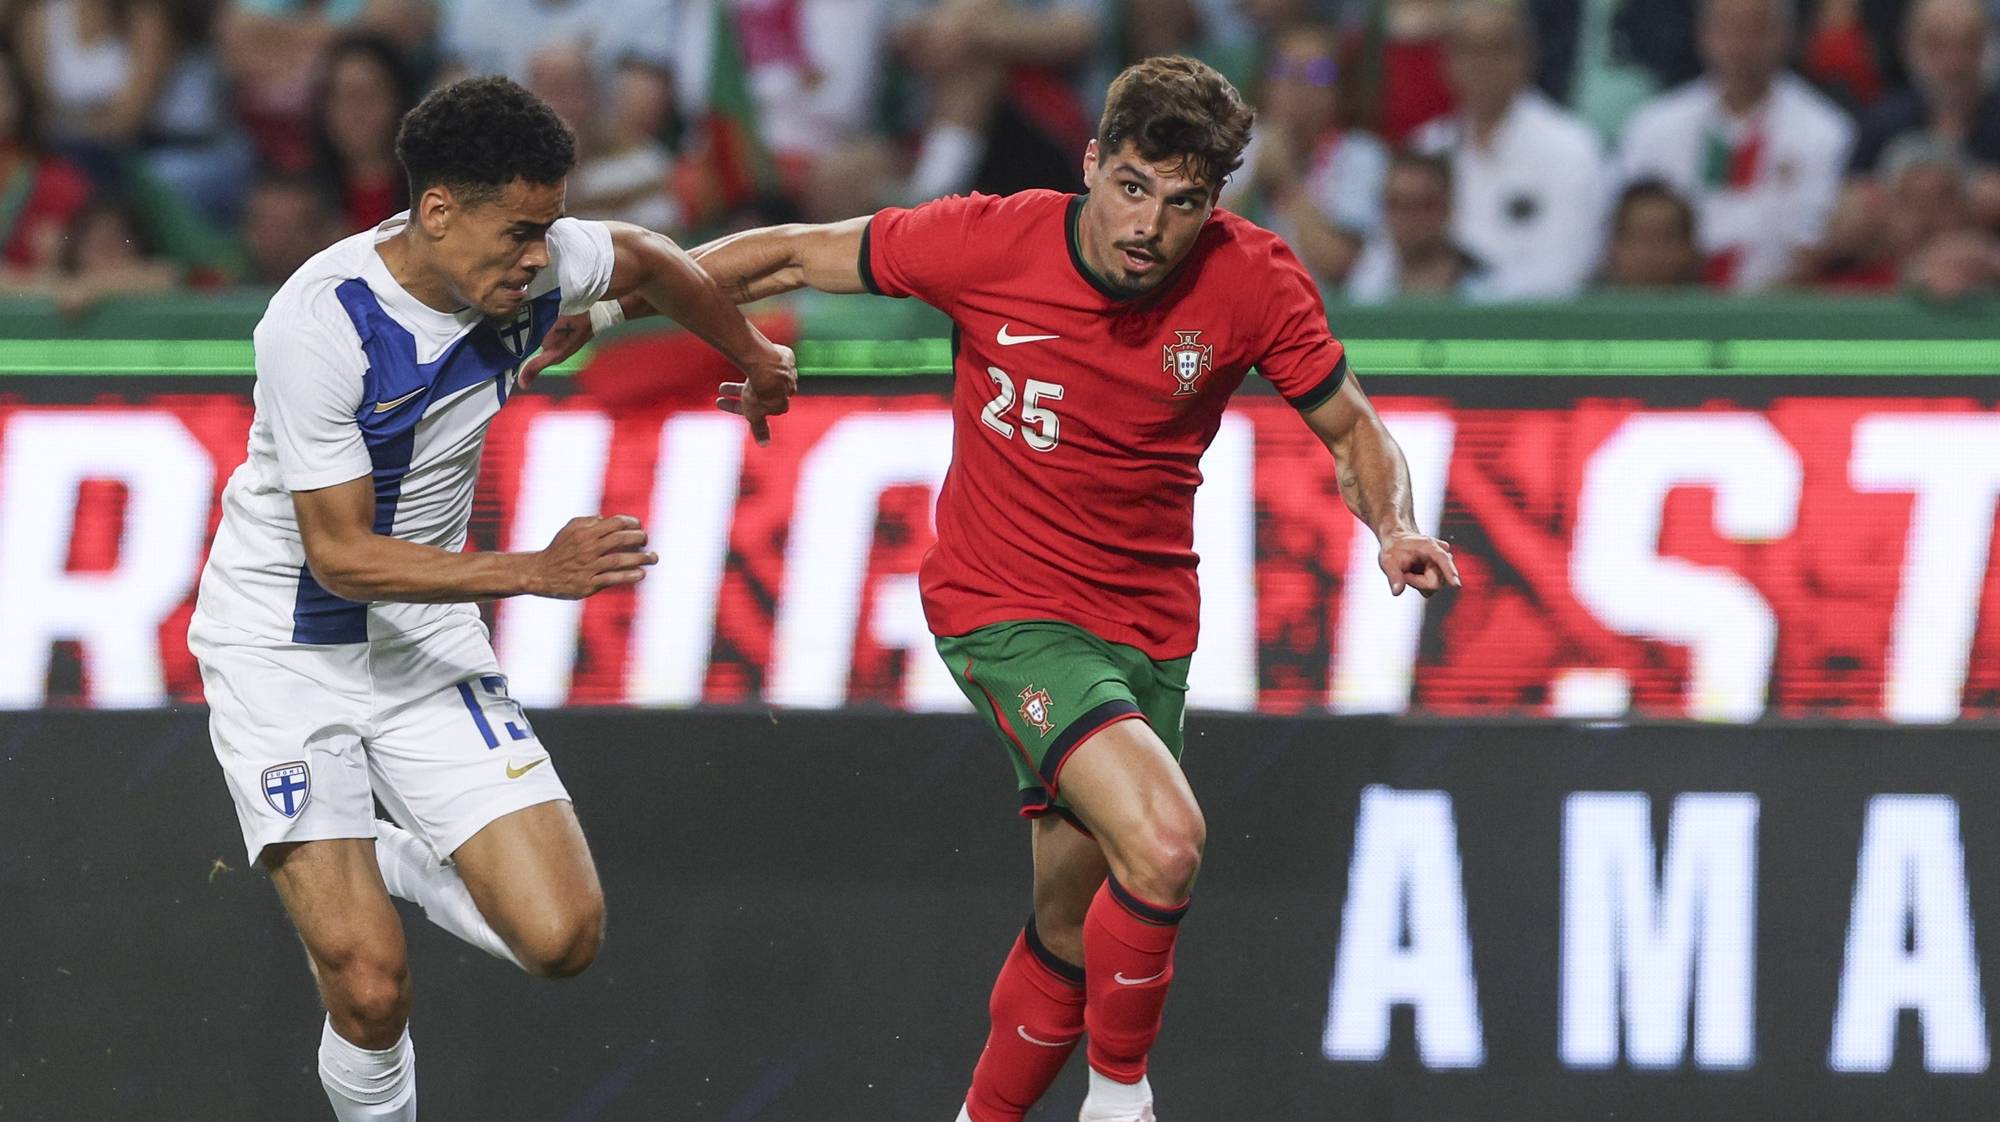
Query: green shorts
x=1045 y=687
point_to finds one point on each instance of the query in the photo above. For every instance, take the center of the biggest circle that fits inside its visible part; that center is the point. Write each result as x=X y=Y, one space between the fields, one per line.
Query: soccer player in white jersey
x=341 y=653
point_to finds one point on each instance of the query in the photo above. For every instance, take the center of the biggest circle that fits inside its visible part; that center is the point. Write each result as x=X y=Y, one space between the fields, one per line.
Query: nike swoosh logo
x=517 y=772
x=1122 y=980
x=384 y=407
x=1010 y=340
x=1023 y=1031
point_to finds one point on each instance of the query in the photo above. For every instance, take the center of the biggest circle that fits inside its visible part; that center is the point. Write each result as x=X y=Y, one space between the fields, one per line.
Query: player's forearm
x=1374 y=478
x=754 y=264
x=685 y=292
x=374 y=567
x=778 y=259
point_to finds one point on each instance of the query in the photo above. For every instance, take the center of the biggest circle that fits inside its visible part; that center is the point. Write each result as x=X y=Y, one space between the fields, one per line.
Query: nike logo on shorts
x=385 y=406
x=1011 y=340
x=1122 y=980
x=517 y=772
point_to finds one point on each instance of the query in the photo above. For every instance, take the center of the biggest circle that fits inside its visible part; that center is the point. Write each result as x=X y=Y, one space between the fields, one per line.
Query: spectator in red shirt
x=1411 y=61
x=368 y=88
x=39 y=194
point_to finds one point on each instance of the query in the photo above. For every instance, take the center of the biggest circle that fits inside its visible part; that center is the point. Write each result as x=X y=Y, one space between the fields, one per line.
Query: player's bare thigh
x=1128 y=788
x=333 y=891
x=1069 y=868
x=532 y=876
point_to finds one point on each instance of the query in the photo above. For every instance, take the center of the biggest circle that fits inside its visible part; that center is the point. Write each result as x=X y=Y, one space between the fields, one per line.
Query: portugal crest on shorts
x=287 y=786
x=1038 y=710
x=1187 y=361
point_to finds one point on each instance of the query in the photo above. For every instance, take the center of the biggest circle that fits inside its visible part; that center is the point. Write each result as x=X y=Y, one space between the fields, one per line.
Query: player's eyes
x=1133 y=190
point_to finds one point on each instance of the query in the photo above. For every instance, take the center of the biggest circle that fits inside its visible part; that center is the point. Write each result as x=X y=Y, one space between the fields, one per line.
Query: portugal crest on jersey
x=1187 y=361
x=1038 y=710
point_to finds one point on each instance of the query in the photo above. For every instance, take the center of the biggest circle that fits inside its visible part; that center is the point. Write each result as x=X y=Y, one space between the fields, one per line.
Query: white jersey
x=1530 y=206
x=356 y=378
x=1762 y=185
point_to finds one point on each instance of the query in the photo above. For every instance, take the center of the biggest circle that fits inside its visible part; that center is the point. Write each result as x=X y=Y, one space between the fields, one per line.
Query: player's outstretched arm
x=748 y=267
x=776 y=259
x=1375 y=482
x=349 y=559
x=664 y=276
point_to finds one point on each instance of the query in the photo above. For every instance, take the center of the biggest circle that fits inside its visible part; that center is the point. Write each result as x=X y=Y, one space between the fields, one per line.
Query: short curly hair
x=1174 y=107
x=477 y=135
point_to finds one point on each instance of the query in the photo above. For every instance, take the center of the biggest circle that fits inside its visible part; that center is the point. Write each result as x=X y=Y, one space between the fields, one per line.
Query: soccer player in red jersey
x=1098 y=338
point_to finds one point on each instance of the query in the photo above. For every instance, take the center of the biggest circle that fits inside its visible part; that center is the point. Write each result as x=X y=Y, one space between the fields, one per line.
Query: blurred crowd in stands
x=1479 y=149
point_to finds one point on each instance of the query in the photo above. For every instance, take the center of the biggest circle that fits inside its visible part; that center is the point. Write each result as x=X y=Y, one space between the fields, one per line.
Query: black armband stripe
x=1323 y=390
x=868 y=270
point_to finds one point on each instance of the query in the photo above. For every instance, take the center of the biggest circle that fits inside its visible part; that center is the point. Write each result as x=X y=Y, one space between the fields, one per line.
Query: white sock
x=946 y=161
x=964 y=1114
x=413 y=872
x=1109 y=1098
x=366 y=1086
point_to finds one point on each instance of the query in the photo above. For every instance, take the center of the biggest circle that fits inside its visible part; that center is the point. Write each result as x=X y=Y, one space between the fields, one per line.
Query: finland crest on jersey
x=517 y=336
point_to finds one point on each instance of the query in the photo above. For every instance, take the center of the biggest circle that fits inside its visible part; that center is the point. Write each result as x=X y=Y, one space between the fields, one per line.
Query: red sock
x=1037 y=1010
x=1128 y=949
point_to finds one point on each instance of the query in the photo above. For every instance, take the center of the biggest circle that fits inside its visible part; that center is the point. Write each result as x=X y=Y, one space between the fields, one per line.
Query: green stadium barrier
x=1692 y=315
x=875 y=336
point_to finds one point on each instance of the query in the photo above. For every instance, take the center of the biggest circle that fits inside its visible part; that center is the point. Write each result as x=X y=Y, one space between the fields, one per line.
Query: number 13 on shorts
x=491 y=689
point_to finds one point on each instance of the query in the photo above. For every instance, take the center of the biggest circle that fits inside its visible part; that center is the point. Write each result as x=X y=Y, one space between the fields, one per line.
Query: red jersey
x=1080 y=416
x=36 y=207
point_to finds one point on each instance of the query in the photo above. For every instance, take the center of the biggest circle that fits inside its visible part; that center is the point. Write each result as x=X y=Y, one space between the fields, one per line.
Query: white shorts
x=310 y=736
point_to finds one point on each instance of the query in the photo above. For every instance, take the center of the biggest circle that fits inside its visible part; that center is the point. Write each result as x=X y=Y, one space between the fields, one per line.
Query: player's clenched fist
x=590 y=554
x=1419 y=562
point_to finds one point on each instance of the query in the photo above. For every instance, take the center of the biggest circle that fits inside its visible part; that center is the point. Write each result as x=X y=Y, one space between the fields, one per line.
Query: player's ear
x=1090 y=165
x=434 y=209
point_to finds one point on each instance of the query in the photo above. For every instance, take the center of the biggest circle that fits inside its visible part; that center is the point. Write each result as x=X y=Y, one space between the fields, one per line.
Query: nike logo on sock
x=1122 y=980
x=1023 y=1031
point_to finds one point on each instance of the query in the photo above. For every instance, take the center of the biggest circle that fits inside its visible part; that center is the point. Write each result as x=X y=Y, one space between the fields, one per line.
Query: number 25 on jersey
x=1040 y=427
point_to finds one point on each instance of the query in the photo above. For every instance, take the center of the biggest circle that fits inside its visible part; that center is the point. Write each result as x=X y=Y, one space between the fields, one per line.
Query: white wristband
x=605 y=314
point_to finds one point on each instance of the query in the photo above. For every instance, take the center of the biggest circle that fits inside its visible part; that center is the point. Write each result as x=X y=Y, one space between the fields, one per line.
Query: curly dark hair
x=477 y=135
x=1172 y=106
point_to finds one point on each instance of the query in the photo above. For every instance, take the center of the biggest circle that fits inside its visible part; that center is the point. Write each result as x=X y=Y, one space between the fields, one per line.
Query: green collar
x=1071 y=220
